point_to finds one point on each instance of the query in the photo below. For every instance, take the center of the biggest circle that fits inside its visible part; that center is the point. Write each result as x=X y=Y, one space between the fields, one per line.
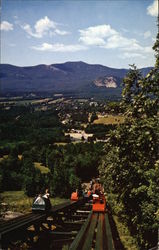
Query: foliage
x=93 y=117
x=99 y=128
x=43 y=169
x=130 y=169
x=156 y=49
x=24 y=125
x=140 y=94
x=99 y=131
x=62 y=168
x=114 y=108
x=17 y=174
x=127 y=240
x=72 y=164
x=11 y=178
x=78 y=117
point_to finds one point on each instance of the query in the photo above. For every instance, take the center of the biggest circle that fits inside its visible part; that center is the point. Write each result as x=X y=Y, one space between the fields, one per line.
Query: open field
x=20 y=101
x=109 y=119
x=17 y=102
x=61 y=143
x=43 y=169
x=17 y=201
x=25 y=101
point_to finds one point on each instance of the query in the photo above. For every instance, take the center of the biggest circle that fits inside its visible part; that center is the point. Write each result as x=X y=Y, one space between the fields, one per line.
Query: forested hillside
x=67 y=166
x=35 y=153
x=70 y=76
x=24 y=124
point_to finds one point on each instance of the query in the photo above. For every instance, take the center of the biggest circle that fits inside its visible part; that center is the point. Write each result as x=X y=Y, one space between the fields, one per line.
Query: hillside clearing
x=109 y=119
x=43 y=169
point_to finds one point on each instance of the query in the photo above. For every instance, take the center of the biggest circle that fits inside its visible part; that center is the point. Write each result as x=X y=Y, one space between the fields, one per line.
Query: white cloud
x=131 y=55
x=147 y=49
x=28 y=29
x=139 y=51
x=6 y=26
x=43 y=27
x=59 y=47
x=92 y=41
x=95 y=35
x=106 y=37
x=152 y=9
x=147 y=34
x=103 y=36
x=61 y=32
x=118 y=41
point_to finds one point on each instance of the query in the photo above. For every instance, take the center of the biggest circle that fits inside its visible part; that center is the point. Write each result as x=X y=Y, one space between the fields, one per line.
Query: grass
x=43 y=169
x=17 y=201
x=60 y=143
x=127 y=240
x=56 y=101
x=109 y=119
x=18 y=102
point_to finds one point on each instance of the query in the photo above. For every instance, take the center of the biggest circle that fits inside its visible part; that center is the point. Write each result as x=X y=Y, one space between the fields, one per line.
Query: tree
x=130 y=169
x=32 y=177
x=10 y=172
x=93 y=117
x=74 y=181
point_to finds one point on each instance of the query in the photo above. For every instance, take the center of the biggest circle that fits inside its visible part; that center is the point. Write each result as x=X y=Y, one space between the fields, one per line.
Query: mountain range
x=62 y=77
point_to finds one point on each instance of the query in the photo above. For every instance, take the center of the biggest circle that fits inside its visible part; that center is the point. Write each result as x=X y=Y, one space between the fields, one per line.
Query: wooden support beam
x=83 y=211
x=73 y=225
x=99 y=236
x=77 y=216
x=77 y=243
x=90 y=233
x=64 y=234
x=109 y=233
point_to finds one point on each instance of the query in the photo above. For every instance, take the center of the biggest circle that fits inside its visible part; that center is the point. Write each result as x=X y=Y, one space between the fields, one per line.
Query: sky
x=114 y=33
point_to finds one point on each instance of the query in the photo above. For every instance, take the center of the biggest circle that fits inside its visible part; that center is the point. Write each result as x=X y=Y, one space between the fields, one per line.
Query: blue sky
x=113 y=33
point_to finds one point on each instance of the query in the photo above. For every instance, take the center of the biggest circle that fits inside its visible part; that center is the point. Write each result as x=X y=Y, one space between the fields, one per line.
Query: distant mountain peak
x=51 y=67
x=61 y=77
